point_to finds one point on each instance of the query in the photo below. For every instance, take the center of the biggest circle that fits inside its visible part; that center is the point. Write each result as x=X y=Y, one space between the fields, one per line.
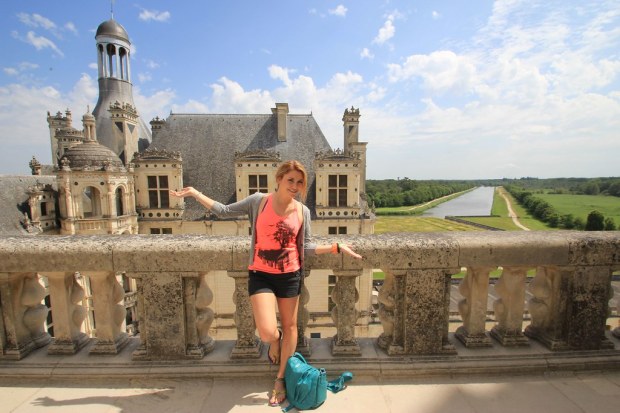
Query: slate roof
x=208 y=143
x=14 y=200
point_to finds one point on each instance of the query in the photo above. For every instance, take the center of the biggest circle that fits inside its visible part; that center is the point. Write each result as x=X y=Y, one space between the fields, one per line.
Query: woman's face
x=292 y=183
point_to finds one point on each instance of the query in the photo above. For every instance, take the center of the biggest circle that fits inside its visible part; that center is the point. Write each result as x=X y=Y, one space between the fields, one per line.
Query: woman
x=280 y=238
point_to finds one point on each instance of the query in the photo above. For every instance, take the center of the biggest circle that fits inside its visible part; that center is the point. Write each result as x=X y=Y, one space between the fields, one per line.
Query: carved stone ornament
x=336 y=155
x=258 y=155
x=157 y=154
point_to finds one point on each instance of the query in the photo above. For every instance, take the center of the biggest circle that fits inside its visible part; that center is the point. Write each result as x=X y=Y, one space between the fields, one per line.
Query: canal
x=473 y=203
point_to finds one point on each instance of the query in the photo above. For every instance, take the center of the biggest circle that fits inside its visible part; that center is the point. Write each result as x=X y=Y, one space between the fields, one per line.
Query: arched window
x=101 y=61
x=91 y=202
x=119 y=202
x=112 y=72
x=124 y=61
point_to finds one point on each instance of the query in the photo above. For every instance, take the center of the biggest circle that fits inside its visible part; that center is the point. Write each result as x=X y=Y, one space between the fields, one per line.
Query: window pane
x=331 y=230
x=342 y=230
x=43 y=209
x=342 y=180
x=333 y=201
x=164 y=199
x=166 y=230
x=252 y=190
x=342 y=197
x=153 y=201
x=262 y=180
x=163 y=182
x=252 y=181
x=333 y=180
x=155 y=231
x=152 y=181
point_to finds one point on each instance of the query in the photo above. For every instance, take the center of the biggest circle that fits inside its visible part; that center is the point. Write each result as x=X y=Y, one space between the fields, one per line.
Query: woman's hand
x=187 y=191
x=347 y=250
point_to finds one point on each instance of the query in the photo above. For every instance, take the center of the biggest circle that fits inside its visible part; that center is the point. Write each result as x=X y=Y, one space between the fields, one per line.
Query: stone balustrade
x=569 y=307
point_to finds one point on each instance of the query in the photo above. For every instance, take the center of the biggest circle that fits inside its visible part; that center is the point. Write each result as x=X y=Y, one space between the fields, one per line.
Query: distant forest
x=405 y=191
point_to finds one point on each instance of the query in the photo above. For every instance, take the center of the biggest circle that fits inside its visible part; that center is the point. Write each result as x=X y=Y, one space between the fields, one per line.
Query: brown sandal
x=275 y=394
x=275 y=358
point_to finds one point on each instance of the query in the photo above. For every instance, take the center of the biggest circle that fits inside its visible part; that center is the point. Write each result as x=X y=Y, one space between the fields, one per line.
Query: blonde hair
x=293 y=165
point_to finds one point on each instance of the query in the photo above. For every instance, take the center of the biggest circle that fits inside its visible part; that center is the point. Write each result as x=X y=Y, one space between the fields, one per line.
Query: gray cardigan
x=249 y=206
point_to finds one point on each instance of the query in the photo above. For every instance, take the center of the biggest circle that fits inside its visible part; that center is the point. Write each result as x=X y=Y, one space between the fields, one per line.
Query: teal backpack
x=306 y=386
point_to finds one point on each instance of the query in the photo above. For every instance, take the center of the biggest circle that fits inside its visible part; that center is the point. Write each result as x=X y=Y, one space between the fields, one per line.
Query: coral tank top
x=275 y=251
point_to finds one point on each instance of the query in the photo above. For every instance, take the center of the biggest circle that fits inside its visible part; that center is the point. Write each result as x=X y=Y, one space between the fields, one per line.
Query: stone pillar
x=421 y=312
x=23 y=315
x=199 y=317
x=473 y=307
x=140 y=353
x=509 y=307
x=109 y=314
x=66 y=297
x=344 y=314
x=570 y=307
x=247 y=344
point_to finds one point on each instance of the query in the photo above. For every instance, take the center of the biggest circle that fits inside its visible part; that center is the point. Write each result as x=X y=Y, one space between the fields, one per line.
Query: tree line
x=543 y=211
x=405 y=191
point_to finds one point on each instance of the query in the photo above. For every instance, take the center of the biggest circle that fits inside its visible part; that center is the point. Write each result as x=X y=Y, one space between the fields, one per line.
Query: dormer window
x=337 y=190
x=158 y=191
x=257 y=183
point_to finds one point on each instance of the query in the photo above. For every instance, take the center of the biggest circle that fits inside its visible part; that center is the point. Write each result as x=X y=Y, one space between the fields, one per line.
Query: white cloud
x=435 y=15
x=36 y=20
x=440 y=71
x=155 y=15
x=340 y=10
x=151 y=64
x=366 y=54
x=385 y=33
x=71 y=27
x=230 y=97
x=39 y=42
x=10 y=71
x=93 y=65
x=144 y=77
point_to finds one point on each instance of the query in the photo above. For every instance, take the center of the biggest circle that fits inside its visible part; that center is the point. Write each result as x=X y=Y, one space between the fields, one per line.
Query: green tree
x=610 y=225
x=595 y=221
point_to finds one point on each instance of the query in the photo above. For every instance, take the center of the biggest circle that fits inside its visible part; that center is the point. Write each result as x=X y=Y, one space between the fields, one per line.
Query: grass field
x=582 y=205
x=386 y=224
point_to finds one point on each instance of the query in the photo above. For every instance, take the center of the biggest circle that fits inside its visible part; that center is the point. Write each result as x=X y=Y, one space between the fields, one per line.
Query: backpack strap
x=338 y=384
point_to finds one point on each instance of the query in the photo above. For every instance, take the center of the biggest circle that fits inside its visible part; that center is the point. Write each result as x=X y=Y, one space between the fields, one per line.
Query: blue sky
x=446 y=89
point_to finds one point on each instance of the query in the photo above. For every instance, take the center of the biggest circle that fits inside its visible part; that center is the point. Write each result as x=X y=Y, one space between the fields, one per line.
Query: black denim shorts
x=286 y=285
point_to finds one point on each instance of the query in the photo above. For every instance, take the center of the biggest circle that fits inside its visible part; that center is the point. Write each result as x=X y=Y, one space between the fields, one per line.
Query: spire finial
x=112 y=8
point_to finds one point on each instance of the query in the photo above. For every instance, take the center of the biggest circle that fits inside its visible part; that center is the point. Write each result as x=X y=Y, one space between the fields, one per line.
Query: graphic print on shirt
x=277 y=258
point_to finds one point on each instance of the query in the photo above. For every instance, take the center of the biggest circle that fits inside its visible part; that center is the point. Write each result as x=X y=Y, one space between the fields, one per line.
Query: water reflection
x=473 y=203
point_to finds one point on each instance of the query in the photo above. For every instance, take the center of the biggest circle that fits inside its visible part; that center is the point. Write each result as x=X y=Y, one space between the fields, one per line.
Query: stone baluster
x=23 y=314
x=247 y=344
x=509 y=307
x=570 y=307
x=66 y=296
x=303 y=316
x=386 y=311
x=199 y=317
x=473 y=307
x=344 y=314
x=141 y=352
x=110 y=313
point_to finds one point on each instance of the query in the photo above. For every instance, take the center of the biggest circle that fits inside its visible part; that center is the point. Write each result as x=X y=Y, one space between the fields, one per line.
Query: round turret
x=92 y=155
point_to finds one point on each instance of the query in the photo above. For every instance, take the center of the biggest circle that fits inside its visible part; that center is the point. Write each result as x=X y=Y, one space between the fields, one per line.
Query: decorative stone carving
x=67 y=294
x=198 y=297
x=258 y=155
x=247 y=344
x=473 y=307
x=344 y=314
x=386 y=310
x=337 y=155
x=23 y=314
x=509 y=307
x=110 y=313
x=150 y=154
x=303 y=316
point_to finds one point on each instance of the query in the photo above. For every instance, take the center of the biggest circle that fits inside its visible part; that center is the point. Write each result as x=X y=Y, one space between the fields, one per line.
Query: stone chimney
x=281 y=110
